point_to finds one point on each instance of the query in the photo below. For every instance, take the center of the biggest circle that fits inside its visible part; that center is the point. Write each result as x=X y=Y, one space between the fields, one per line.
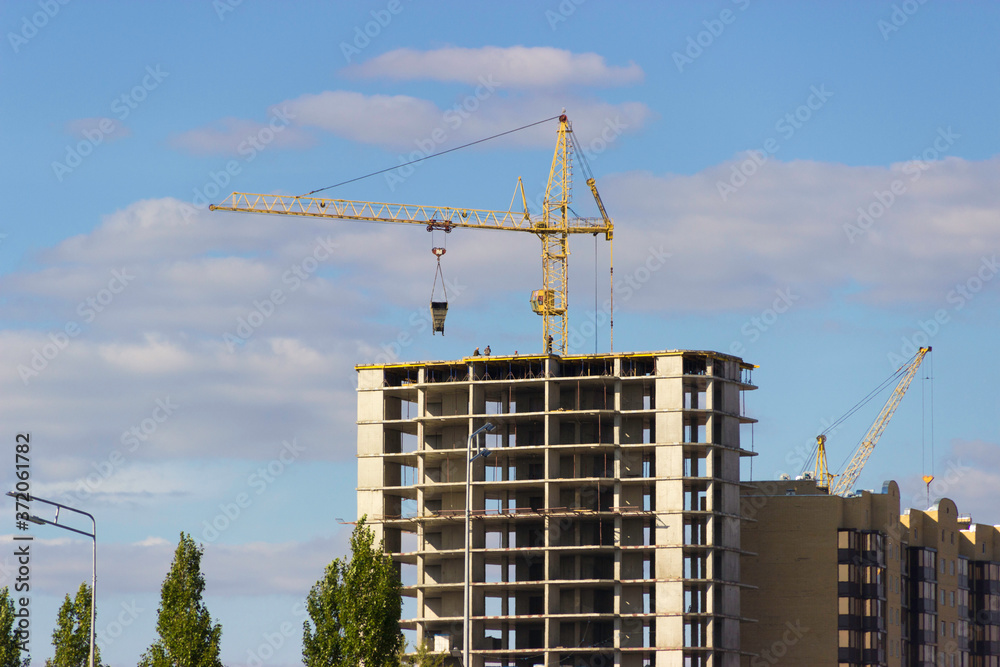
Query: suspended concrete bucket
x=439 y=310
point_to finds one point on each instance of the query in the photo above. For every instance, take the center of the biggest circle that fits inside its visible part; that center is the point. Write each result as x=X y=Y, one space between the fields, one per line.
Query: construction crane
x=846 y=481
x=553 y=227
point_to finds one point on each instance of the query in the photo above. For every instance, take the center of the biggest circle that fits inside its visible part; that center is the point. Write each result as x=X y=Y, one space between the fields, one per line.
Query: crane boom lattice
x=845 y=482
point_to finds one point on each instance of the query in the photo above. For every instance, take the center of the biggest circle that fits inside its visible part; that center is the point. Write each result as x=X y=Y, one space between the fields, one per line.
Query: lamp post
x=93 y=535
x=466 y=626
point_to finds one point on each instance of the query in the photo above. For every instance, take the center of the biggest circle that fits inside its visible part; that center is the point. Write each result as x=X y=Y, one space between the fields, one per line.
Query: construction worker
x=487 y=351
x=476 y=353
x=548 y=345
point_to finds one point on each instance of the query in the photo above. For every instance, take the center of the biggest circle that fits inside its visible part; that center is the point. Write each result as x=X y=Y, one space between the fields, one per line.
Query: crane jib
x=342 y=209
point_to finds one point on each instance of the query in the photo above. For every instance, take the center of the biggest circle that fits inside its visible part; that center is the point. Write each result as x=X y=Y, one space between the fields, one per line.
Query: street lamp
x=483 y=452
x=93 y=576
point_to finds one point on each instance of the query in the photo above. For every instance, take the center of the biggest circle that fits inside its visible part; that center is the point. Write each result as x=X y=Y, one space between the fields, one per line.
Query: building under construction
x=605 y=523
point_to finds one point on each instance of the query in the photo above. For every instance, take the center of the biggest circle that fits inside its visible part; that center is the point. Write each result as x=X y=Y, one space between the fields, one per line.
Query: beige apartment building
x=844 y=581
x=606 y=522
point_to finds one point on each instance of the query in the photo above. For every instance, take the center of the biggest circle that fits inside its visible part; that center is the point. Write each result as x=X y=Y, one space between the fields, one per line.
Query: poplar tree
x=187 y=635
x=71 y=638
x=10 y=641
x=355 y=609
x=322 y=647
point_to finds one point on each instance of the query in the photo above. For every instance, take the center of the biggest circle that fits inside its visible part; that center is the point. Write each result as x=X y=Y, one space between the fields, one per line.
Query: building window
x=951 y=600
x=943 y=561
x=952 y=566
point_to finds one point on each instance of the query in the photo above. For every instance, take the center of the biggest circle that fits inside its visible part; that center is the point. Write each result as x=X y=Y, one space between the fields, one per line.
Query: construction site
x=556 y=509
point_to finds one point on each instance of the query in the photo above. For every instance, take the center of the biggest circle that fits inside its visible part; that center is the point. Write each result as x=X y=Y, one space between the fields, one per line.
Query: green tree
x=71 y=638
x=187 y=635
x=322 y=647
x=424 y=656
x=10 y=641
x=355 y=609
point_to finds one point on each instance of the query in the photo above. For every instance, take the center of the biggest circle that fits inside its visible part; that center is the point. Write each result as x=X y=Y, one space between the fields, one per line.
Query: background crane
x=846 y=481
x=553 y=227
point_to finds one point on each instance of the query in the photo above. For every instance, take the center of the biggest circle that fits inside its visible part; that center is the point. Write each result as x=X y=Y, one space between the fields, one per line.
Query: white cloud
x=139 y=568
x=154 y=356
x=400 y=122
x=969 y=475
x=513 y=67
x=238 y=136
x=795 y=225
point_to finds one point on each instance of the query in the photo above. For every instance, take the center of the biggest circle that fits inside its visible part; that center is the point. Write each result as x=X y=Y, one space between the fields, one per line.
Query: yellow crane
x=553 y=227
x=846 y=481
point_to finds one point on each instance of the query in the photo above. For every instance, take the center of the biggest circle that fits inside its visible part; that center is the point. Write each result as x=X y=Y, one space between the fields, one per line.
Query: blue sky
x=815 y=184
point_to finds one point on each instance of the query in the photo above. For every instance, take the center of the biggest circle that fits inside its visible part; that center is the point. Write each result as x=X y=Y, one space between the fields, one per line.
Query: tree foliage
x=424 y=656
x=322 y=647
x=71 y=638
x=10 y=649
x=355 y=609
x=187 y=635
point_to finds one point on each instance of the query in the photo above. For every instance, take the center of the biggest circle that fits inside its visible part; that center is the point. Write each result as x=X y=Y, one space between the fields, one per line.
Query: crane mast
x=846 y=481
x=553 y=227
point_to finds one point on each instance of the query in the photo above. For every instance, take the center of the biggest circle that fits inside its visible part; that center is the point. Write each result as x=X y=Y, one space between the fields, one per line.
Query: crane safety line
x=427 y=157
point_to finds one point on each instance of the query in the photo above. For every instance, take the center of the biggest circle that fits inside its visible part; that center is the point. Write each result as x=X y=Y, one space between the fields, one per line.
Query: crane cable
x=589 y=175
x=923 y=423
x=444 y=286
x=857 y=406
x=427 y=157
